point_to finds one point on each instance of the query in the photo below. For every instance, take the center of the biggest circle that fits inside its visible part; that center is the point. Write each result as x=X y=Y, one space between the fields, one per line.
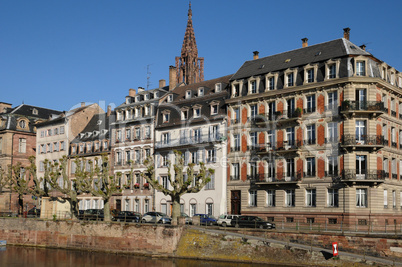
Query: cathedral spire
x=190 y=68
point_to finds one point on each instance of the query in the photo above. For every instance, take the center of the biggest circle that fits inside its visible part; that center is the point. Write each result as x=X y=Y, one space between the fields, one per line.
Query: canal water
x=15 y=256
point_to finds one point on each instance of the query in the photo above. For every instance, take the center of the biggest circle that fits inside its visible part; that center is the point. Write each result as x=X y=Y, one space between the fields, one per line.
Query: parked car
x=252 y=222
x=92 y=215
x=156 y=217
x=206 y=219
x=226 y=219
x=34 y=212
x=127 y=216
x=187 y=218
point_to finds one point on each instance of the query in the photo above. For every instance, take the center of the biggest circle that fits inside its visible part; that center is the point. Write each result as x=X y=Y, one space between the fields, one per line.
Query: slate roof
x=27 y=111
x=299 y=57
x=98 y=123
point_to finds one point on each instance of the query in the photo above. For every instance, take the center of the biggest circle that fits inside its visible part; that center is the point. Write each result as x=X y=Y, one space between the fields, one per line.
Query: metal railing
x=351 y=139
x=275 y=177
x=363 y=175
x=189 y=140
x=362 y=105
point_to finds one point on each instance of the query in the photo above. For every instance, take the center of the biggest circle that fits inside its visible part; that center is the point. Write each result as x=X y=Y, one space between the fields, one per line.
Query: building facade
x=132 y=137
x=192 y=120
x=315 y=136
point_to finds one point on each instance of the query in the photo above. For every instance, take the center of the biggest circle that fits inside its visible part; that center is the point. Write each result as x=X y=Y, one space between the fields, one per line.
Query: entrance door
x=118 y=204
x=235 y=201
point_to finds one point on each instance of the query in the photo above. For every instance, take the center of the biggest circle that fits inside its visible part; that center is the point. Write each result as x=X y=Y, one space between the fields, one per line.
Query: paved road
x=319 y=249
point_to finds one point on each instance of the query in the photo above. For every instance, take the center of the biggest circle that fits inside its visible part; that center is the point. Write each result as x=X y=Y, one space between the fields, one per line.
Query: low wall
x=111 y=237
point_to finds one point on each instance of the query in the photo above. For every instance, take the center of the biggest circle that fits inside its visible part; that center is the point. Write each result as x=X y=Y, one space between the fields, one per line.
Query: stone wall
x=110 y=237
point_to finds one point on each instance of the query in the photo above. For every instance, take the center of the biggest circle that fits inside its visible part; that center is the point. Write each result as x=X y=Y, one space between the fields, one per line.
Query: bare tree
x=180 y=186
x=39 y=188
x=99 y=182
x=57 y=177
x=4 y=181
x=19 y=183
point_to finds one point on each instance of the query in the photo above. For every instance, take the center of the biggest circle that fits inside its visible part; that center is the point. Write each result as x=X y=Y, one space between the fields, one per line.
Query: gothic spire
x=190 y=68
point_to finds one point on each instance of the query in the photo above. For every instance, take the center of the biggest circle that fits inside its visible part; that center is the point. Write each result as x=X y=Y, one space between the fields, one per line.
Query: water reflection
x=39 y=257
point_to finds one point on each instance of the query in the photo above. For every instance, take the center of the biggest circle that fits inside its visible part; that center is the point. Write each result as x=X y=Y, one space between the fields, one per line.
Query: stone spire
x=190 y=67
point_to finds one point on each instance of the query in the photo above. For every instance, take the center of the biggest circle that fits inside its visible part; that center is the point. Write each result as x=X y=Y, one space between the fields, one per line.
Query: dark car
x=252 y=222
x=127 y=216
x=92 y=215
x=206 y=219
x=34 y=212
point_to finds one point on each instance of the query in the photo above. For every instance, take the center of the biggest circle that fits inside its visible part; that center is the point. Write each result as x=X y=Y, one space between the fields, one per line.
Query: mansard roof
x=299 y=57
x=96 y=129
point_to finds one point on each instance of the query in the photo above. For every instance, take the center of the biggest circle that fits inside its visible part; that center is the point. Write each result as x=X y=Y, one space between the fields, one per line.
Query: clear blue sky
x=56 y=54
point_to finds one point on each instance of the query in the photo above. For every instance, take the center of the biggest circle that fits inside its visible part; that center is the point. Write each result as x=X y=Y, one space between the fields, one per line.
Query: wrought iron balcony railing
x=362 y=105
x=375 y=175
x=368 y=140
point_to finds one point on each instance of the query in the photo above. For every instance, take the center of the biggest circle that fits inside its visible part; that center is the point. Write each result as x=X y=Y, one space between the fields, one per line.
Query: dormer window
x=170 y=98
x=290 y=79
x=332 y=69
x=82 y=135
x=197 y=112
x=310 y=73
x=200 y=91
x=188 y=94
x=214 y=108
x=165 y=116
x=22 y=124
x=35 y=111
x=146 y=97
x=253 y=87
x=236 y=90
x=218 y=87
x=156 y=95
x=361 y=68
x=137 y=99
x=184 y=114
x=271 y=81
x=128 y=100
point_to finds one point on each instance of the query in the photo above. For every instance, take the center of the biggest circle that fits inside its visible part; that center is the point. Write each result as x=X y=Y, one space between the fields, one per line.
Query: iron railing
x=362 y=105
x=363 y=175
x=351 y=139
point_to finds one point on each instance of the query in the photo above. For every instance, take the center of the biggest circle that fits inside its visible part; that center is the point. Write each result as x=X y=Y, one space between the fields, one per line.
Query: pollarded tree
x=57 y=177
x=39 y=188
x=19 y=182
x=98 y=182
x=4 y=181
x=180 y=186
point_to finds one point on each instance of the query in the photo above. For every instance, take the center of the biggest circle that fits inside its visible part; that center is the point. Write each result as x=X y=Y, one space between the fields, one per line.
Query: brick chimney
x=172 y=77
x=346 y=33
x=131 y=92
x=162 y=83
x=109 y=110
x=255 y=54
x=304 y=42
x=363 y=46
x=4 y=106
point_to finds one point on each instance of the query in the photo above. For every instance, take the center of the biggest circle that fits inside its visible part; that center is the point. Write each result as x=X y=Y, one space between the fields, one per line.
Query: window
x=118 y=158
x=236 y=171
x=214 y=109
x=360 y=131
x=146 y=205
x=290 y=168
x=201 y=92
x=61 y=129
x=332 y=166
x=333 y=197
x=197 y=135
x=118 y=136
x=197 y=112
x=218 y=87
x=385 y=198
x=253 y=87
x=361 y=161
x=332 y=71
x=22 y=124
x=170 y=98
x=214 y=133
x=49 y=132
x=128 y=134
x=271 y=198
x=165 y=182
x=188 y=94
x=166 y=117
x=311 y=134
x=291 y=107
x=290 y=198
x=393 y=199
x=193 y=209
x=184 y=114
x=361 y=68
x=290 y=79
x=310 y=75
x=22 y=145
x=56 y=131
x=210 y=208
x=253 y=139
x=211 y=155
x=361 y=98
x=310 y=197
x=271 y=83
x=147 y=132
x=271 y=111
x=56 y=146
x=237 y=115
x=165 y=160
x=236 y=140
x=164 y=208
x=332 y=132
x=41 y=166
x=310 y=162
x=253 y=111
x=332 y=100
x=62 y=146
x=271 y=138
x=290 y=136
x=253 y=198
x=361 y=197
x=211 y=184
x=194 y=157
x=310 y=104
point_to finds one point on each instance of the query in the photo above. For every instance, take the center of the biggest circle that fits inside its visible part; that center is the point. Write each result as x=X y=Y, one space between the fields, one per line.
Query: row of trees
x=98 y=181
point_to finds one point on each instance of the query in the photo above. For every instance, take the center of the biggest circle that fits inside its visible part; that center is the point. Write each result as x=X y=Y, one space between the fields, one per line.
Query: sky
x=59 y=53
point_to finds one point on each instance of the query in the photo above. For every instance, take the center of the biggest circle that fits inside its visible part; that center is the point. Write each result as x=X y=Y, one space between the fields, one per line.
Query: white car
x=156 y=217
x=226 y=219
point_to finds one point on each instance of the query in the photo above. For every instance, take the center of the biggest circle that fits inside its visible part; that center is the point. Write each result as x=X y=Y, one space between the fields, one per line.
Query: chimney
x=304 y=42
x=4 y=106
x=140 y=89
x=131 y=92
x=162 y=83
x=82 y=104
x=255 y=54
x=172 y=77
x=346 y=33
x=109 y=110
x=363 y=46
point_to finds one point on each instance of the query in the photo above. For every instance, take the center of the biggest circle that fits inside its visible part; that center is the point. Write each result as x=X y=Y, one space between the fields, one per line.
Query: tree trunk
x=73 y=208
x=176 y=209
x=106 y=210
x=20 y=205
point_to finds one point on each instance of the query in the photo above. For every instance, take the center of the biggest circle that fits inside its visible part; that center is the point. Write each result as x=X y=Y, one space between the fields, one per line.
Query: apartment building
x=315 y=135
x=191 y=119
x=18 y=142
x=132 y=139
x=89 y=146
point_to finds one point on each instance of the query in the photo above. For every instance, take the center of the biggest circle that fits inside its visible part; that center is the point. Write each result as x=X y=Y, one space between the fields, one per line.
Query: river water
x=15 y=256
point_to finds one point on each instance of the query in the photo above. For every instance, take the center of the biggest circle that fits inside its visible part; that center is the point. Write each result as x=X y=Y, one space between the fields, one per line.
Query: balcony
x=374 y=176
x=393 y=113
x=309 y=110
x=275 y=178
x=186 y=141
x=234 y=177
x=310 y=141
x=309 y=174
x=374 y=108
x=291 y=116
x=363 y=141
x=332 y=173
x=235 y=149
x=331 y=140
x=288 y=146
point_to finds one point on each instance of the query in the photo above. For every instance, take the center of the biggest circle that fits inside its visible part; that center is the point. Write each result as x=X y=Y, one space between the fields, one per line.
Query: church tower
x=189 y=67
